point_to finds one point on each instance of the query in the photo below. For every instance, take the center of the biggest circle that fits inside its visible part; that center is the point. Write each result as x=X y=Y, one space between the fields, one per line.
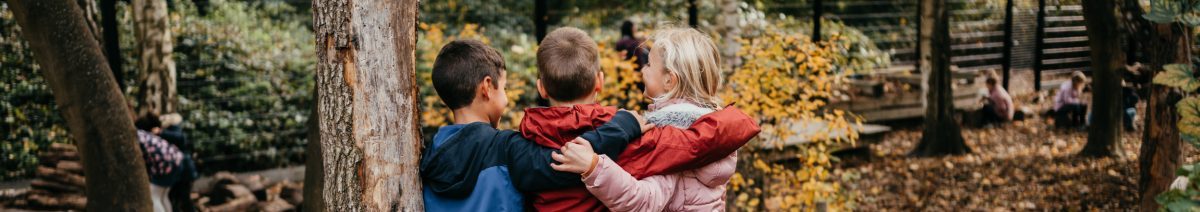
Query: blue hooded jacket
x=475 y=167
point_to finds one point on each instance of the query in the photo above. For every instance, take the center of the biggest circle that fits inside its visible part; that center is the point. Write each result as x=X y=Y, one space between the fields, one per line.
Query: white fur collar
x=680 y=115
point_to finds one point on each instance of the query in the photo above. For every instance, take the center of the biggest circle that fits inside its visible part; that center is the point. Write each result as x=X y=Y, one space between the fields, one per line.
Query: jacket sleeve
x=529 y=163
x=709 y=139
x=619 y=191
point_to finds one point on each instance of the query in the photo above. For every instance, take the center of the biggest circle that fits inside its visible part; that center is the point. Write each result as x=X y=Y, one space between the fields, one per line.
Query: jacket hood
x=452 y=169
x=554 y=126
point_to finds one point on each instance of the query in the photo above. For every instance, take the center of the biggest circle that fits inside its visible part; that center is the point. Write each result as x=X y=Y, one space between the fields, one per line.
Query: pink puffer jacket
x=700 y=189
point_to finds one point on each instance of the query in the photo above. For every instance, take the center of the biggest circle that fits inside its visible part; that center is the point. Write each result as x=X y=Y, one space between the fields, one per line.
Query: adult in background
x=180 y=193
x=163 y=160
x=632 y=45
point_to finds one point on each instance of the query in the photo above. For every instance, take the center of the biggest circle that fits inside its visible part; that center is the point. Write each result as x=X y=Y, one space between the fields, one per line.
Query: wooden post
x=539 y=19
x=1038 y=44
x=693 y=14
x=816 y=19
x=1008 y=41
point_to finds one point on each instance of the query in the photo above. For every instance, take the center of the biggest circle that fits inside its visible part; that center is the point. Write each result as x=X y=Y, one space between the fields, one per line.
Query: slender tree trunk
x=1160 y=153
x=152 y=29
x=88 y=99
x=112 y=41
x=1107 y=63
x=942 y=135
x=369 y=138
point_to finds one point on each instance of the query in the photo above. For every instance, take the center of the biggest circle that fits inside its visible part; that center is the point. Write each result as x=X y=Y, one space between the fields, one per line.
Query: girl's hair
x=692 y=57
x=1078 y=77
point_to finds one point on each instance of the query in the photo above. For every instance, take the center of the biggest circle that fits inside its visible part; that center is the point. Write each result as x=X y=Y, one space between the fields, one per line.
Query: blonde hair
x=692 y=57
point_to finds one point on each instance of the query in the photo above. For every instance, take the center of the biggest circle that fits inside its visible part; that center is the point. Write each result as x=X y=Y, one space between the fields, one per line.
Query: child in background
x=684 y=79
x=998 y=106
x=1070 y=110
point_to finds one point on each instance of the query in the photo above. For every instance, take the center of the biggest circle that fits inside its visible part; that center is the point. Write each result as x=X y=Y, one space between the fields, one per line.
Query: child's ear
x=599 y=81
x=542 y=90
x=485 y=89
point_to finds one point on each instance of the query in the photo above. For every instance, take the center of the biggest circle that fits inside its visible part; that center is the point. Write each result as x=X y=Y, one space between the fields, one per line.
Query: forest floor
x=1017 y=167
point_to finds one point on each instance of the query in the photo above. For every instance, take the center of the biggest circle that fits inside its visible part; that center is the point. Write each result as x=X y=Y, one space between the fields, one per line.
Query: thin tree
x=156 y=81
x=89 y=100
x=368 y=144
x=1107 y=63
x=942 y=135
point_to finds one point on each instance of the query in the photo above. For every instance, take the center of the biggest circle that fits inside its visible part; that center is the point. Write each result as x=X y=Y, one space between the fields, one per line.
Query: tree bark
x=88 y=99
x=1160 y=151
x=1107 y=63
x=941 y=135
x=156 y=83
x=367 y=106
x=730 y=31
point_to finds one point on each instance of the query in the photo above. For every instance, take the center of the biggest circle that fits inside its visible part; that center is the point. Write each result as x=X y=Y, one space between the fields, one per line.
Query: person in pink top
x=684 y=78
x=998 y=106
x=1070 y=111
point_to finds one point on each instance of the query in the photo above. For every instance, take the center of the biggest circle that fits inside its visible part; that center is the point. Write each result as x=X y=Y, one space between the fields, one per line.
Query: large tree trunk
x=369 y=138
x=942 y=135
x=1160 y=153
x=157 y=69
x=88 y=99
x=1107 y=63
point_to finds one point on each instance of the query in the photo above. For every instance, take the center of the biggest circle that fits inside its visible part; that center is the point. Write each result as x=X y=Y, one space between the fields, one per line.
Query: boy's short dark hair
x=460 y=66
x=567 y=61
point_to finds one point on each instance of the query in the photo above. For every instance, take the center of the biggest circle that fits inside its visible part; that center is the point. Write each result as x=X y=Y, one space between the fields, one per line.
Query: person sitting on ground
x=163 y=160
x=998 y=105
x=1070 y=110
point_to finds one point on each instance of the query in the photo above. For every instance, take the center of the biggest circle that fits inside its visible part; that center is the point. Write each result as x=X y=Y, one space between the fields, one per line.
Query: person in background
x=163 y=160
x=1070 y=110
x=180 y=194
x=1129 y=103
x=998 y=106
x=632 y=45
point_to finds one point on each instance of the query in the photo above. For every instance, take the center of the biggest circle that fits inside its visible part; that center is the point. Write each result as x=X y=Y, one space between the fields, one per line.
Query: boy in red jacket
x=569 y=76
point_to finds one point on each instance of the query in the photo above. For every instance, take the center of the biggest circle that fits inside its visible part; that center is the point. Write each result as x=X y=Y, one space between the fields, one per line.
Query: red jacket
x=661 y=150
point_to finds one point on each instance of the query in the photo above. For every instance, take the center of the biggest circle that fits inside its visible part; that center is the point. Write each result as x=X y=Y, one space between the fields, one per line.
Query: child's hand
x=577 y=157
x=641 y=121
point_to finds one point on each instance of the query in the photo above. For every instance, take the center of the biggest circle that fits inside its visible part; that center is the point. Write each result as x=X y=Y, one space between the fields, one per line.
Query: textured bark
x=369 y=138
x=156 y=81
x=942 y=135
x=1107 y=63
x=88 y=99
x=1160 y=153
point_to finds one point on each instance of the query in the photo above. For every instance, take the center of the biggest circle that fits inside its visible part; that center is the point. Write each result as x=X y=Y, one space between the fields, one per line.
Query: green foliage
x=245 y=82
x=28 y=116
x=1172 y=11
x=1178 y=76
x=1180 y=197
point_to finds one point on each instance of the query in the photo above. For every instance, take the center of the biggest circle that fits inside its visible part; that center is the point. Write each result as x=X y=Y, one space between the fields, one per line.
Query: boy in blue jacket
x=472 y=166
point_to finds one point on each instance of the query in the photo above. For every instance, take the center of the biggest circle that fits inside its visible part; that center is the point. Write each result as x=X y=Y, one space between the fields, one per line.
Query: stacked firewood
x=59 y=182
x=250 y=193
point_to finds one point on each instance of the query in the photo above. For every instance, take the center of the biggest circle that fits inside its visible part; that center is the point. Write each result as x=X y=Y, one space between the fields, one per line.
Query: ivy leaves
x=1178 y=76
x=1164 y=11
